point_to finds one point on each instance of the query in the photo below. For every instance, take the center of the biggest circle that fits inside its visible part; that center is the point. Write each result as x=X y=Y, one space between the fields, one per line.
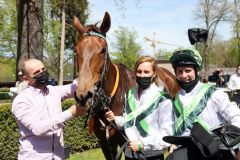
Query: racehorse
x=103 y=84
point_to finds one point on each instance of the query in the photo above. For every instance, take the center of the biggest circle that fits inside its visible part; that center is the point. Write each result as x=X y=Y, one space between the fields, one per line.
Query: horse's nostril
x=80 y=100
x=85 y=97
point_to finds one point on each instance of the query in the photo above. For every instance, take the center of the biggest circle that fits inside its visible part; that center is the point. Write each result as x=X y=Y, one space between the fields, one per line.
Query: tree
x=64 y=10
x=60 y=77
x=164 y=54
x=236 y=17
x=30 y=30
x=127 y=49
x=121 y=5
x=78 y=8
x=219 y=47
x=211 y=12
x=8 y=28
x=52 y=32
x=232 y=54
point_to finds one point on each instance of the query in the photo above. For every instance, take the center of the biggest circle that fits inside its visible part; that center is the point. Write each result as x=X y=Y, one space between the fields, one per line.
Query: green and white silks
x=186 y=116
x=138 y=115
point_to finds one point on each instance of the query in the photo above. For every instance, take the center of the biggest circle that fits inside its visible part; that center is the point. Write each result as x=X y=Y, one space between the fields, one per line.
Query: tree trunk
x=237 y=27
x=212 y=12
x=30 y=31
x=60 y=78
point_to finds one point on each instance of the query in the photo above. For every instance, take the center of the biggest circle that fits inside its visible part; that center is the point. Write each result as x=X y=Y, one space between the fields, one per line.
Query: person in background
x=148 y=113
x=221 y=81
x=21 y=84
x=234 y=81
x=53 y=82
x=196 y=101
x=38 y=112
x=234 y=85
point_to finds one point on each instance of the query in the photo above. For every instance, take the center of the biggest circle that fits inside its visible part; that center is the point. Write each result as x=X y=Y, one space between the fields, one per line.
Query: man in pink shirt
x=39 y=114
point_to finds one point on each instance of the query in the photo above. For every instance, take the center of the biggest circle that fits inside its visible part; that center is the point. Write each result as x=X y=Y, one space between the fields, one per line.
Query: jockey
x=197 y=101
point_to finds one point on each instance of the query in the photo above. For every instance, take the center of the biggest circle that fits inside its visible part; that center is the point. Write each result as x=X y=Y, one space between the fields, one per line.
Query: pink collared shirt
x=41 y=121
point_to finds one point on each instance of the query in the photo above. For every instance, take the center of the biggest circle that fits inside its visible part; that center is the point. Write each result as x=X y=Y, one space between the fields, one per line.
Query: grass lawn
x=94 y=154
x=88 y=155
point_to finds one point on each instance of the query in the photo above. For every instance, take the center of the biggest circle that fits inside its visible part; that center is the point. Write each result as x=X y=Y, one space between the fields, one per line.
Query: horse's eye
x=104 y=50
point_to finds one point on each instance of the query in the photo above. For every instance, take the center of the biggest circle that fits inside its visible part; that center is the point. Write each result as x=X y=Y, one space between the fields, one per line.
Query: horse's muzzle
x=83 y=99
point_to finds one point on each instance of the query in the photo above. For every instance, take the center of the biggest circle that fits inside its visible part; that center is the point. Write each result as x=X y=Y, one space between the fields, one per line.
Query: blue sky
x=169 y=19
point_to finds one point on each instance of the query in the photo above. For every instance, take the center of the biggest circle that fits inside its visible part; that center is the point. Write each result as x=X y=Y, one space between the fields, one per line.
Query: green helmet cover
x=186 y=57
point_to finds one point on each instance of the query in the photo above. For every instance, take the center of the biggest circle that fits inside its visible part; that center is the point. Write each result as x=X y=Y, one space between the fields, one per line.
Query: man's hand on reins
x=110 y=116
x=78 y=111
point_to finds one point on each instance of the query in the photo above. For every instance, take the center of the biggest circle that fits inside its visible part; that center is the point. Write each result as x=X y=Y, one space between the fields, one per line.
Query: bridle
x=100 y=100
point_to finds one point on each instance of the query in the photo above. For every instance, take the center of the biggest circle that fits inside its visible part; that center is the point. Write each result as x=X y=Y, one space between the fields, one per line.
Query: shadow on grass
x=92 y=154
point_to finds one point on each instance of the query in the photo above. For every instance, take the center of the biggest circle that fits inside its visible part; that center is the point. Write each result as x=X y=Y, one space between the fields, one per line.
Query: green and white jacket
x=149 y=118
x=205 y=104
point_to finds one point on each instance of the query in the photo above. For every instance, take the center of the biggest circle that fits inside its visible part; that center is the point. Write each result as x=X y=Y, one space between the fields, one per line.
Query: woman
x=148 y=113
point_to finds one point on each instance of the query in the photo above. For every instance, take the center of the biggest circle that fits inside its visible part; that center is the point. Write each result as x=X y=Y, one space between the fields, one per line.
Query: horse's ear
x=77 y=24
x=106 y=23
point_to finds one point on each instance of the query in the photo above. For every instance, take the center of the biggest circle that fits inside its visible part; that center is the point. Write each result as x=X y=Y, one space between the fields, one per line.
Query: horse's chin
x=89 y=103
x=84 y=101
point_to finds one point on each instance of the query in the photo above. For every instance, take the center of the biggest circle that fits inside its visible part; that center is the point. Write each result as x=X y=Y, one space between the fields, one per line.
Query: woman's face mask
x=144 y=82
x=144 y=74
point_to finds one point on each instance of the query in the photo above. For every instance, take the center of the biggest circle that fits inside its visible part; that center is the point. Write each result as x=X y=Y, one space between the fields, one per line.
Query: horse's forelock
x=93 y=28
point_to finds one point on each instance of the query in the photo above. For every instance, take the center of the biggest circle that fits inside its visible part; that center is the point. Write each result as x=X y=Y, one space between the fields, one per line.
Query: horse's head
x=92 y=57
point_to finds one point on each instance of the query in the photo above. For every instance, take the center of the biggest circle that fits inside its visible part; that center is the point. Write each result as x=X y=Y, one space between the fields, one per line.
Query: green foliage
x=4 y=89
x=7 y=69
x=52 y=31
x=8 y=28
x=127 y=49
x=74 y=134
x=78 y=8
x=4 y=95
x=233 y=54
x=9 y=134
x=164 y=54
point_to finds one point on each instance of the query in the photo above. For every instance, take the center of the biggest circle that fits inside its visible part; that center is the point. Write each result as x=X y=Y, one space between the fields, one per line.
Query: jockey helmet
x=186 y=57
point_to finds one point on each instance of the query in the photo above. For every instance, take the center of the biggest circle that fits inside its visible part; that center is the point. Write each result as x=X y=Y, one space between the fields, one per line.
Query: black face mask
x=188 y=86
x=41 y=79
x=144 y=82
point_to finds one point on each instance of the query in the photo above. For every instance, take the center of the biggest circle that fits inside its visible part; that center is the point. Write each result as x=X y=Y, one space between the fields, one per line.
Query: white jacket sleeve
x=230 y=83
x=165 y=122
x=228 y=110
